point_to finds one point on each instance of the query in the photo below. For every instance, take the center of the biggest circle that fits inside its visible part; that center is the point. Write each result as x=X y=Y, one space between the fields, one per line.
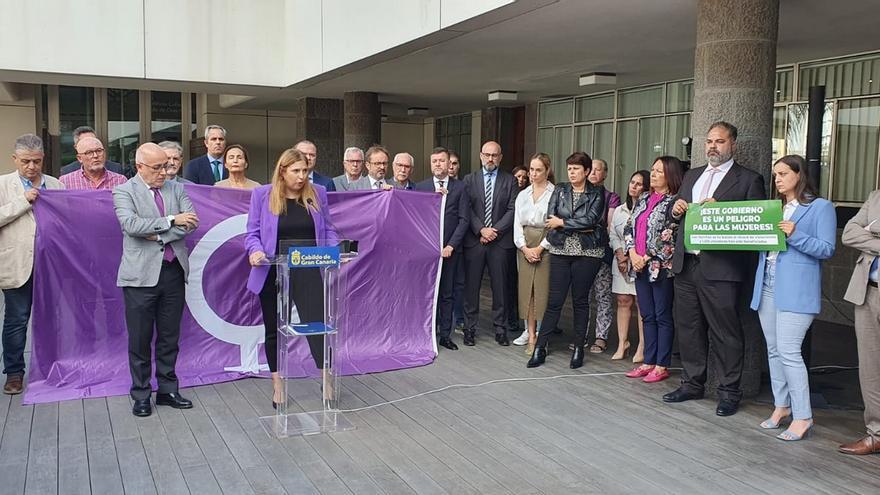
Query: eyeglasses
x=354 y=161
x=491 y=155
x=92 y=153
x=403 y=165
x=384 y=164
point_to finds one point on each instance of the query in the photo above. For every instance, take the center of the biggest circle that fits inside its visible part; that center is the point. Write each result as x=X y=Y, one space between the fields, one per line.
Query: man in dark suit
x=309 y=149
x=455 y=225
x=708 y=284
x=208 y=169
x=489 y=241
x=155 y=215
x=85 y=131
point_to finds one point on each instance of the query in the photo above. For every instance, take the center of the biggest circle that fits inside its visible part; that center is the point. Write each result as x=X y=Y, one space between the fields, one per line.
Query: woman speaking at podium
x=289 y=211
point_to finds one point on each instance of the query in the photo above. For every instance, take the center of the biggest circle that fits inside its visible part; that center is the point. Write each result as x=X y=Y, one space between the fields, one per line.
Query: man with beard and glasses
x=708 y=283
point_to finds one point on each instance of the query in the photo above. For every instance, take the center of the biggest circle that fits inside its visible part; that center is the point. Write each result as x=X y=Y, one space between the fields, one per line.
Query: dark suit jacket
x=198 y=171
x=323 y=180
x=109 y=165
x=740 y=184
x=504 y=204
x=455 y=217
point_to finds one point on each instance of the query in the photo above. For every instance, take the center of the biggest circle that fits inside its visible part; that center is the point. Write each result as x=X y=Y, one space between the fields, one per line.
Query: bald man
x=93 y=173
x=489 y=241
x=156 y=215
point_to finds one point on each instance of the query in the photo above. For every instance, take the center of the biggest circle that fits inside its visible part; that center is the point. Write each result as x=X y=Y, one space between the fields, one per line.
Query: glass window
x=561 y=150
x=595 y=108
x=545 y=141
x=778 y=145
x=784 y=85
x=680 y=96
x=603 y=142
x=583 y=139
x=855 y=76
x=651 y=143
x=796 y=138
x=165 y=112
x=77 y=108
x=123 y=125
x=454 y=134
x=626 y=160
x=555 y=113
x=640 y=101
x=856 y=149
x=678 y=127
x=194 y=127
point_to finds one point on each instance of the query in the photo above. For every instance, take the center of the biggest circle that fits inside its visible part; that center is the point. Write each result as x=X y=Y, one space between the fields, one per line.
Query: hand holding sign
x=787 y=227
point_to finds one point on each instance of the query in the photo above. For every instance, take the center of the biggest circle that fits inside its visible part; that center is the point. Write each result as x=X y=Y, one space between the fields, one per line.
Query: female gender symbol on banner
x=246 y=337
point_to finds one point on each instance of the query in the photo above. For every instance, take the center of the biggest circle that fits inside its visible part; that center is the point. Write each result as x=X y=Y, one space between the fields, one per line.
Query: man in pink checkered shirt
x=91 y=153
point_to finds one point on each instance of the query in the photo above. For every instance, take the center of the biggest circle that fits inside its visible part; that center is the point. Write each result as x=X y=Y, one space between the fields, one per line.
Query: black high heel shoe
x=538 y=357
x=577 y=358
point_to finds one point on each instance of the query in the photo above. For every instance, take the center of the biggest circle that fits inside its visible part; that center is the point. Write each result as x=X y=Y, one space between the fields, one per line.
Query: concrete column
x=363 y=119
x=734 y=77
x=320 y=121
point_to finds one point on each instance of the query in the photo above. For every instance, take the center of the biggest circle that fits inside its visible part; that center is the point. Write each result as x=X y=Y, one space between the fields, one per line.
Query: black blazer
x=198 y=171
x=109 y=165
x=739 y=184
x=323 y=180
x=456 y=215
x=504 y=204
x=587 y=219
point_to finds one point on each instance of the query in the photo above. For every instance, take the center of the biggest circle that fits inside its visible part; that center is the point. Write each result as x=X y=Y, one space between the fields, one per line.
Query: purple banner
x=80 y=340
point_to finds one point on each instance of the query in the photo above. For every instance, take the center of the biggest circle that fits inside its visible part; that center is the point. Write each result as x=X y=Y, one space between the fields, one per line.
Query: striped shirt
x=78 y=180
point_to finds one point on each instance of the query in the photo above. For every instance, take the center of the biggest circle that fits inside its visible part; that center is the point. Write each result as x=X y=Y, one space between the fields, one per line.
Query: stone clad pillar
x=734 y=79
x=320 y=121
x=363 y=119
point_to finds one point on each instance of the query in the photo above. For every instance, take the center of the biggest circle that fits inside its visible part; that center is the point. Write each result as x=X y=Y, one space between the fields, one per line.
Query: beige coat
x=17 y=230
x=855 y=235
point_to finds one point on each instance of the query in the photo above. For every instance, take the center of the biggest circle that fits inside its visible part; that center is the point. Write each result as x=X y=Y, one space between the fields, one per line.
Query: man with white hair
x=353 y=163
x=174 y=153
x=19 y=190
x=402 y=165
x=155 y=215
x=208 y=169
x=92 y=175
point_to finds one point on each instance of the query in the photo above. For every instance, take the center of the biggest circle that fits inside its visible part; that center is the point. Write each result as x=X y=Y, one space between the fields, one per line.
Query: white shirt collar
x=724 y=167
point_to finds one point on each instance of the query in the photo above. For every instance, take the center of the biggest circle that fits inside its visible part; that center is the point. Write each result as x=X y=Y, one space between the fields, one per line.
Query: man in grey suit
x=353 y=163
x=862 y=232
x=377 y=164
x=402 y=165
x=155 y=215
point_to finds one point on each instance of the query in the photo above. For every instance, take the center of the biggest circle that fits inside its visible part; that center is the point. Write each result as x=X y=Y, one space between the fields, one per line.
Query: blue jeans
x=784 y=332
x=15 y=321
x=655 y=306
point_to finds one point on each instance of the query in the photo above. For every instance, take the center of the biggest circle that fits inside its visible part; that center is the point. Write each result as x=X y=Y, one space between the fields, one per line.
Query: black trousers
x=706 y=311
x=269 y=307
x=445 y=296
x=577 y=272
x=476 y=259
x=159 y=307
x=512 y=291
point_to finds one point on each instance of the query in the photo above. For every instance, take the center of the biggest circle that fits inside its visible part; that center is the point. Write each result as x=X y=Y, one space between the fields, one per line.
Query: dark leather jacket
x=585 y=221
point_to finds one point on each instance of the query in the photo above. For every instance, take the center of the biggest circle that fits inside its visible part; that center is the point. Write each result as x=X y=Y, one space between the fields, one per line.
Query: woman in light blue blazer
x=787 y=292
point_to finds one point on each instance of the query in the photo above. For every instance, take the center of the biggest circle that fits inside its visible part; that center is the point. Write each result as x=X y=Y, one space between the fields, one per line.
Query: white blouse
x=618 y=222
x=787 y=211
x=530 y=213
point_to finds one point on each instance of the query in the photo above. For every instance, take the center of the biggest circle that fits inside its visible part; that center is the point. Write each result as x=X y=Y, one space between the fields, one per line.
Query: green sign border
x=771 y=214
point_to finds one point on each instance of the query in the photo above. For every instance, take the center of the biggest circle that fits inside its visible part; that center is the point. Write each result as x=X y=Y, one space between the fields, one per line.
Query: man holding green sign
x=709 y=274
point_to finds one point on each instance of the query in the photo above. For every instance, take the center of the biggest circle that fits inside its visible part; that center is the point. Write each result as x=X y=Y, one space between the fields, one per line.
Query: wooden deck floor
x=582 y=434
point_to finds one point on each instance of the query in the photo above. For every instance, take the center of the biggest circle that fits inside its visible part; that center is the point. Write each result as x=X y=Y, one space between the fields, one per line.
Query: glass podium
x=311 y=297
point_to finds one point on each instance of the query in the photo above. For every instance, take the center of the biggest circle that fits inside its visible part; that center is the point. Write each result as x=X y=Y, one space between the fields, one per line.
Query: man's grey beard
x=490 y=167
x=718 y=159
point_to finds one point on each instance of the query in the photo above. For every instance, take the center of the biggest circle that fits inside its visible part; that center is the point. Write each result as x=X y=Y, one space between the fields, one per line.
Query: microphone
x=345 y=245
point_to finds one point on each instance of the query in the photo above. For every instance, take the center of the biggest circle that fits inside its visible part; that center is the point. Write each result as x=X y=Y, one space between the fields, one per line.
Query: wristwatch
x=170 y=220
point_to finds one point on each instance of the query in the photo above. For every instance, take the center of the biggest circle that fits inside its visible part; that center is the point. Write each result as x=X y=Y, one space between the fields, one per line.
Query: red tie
x=169 y=251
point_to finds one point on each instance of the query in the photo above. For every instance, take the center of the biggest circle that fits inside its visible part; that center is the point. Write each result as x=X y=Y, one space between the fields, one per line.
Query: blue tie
x=873 y=275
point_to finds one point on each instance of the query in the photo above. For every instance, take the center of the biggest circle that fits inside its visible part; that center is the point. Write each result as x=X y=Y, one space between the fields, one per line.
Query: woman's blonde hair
x=277 y=196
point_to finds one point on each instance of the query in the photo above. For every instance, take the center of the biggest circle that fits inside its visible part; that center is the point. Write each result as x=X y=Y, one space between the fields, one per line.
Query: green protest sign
x=734 y=226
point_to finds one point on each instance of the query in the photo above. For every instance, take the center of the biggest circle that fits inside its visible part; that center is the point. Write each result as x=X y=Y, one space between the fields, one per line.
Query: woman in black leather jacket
x=577 y=244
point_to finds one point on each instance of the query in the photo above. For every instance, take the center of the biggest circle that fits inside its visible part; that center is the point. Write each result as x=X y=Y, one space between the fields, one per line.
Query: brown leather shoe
x=864 y=446
x=13 y=385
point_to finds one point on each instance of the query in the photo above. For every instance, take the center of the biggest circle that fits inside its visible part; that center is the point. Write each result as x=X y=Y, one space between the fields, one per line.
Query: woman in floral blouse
x=650 y=242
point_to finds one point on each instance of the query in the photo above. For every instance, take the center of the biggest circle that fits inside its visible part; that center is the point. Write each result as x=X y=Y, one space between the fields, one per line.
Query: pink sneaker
x=639 y=372
x=656 y=376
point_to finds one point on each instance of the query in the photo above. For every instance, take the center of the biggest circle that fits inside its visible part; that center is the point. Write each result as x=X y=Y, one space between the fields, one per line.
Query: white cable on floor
x=466 y=385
